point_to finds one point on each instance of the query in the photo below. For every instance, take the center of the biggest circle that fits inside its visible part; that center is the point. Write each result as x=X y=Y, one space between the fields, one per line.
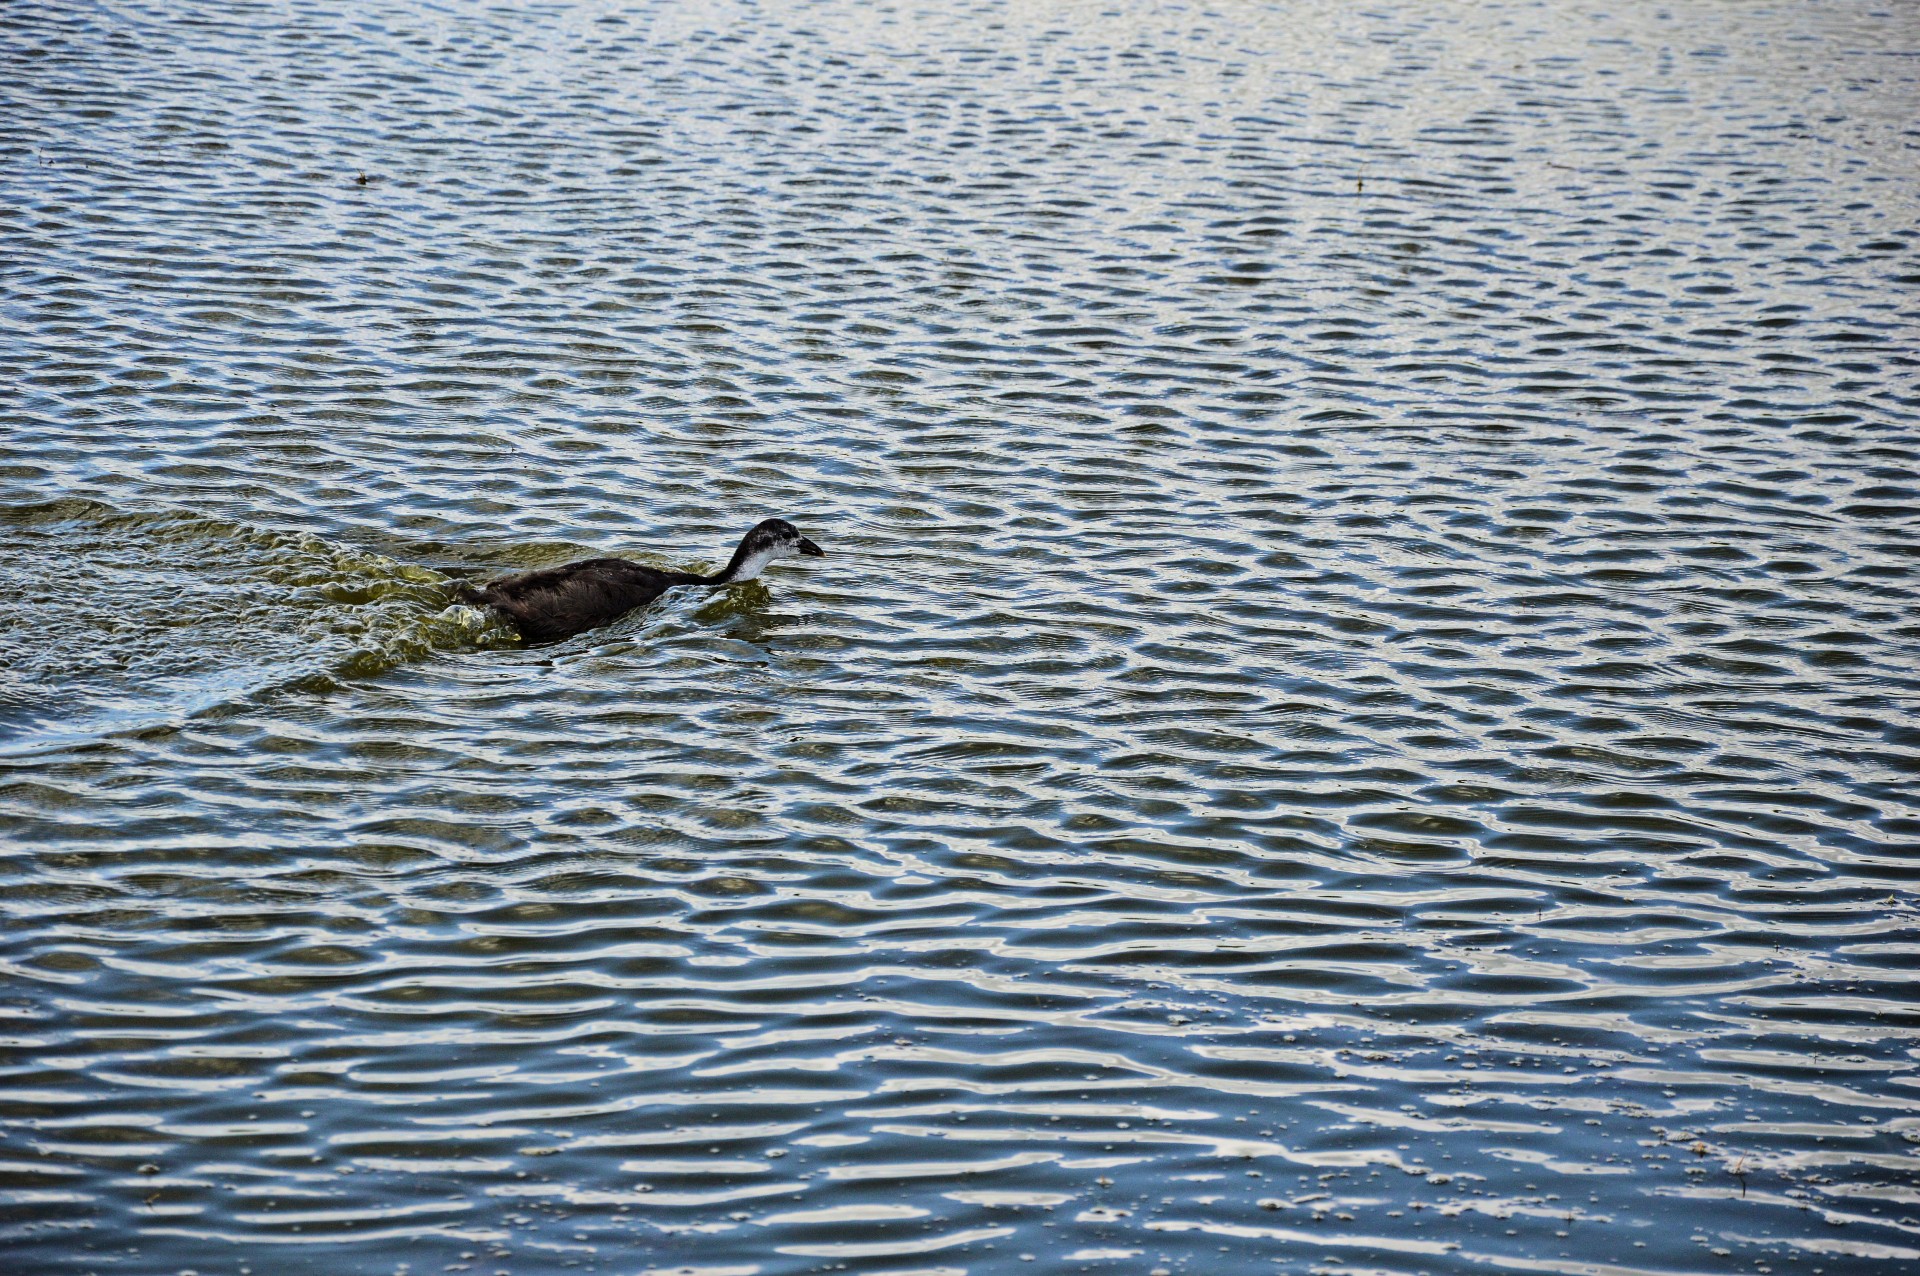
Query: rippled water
x=1360 y=715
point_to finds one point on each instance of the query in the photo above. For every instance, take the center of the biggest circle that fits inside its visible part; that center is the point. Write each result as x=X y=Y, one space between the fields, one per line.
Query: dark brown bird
x=558 y=602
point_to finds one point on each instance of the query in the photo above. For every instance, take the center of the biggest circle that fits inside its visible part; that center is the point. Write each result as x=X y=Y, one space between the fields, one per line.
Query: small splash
x=456 y=627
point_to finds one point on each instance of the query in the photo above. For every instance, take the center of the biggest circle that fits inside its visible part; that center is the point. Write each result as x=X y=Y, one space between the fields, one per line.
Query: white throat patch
x=756 y=563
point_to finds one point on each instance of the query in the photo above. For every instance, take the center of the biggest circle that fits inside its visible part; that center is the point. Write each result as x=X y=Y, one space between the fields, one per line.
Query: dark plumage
x=558 y=602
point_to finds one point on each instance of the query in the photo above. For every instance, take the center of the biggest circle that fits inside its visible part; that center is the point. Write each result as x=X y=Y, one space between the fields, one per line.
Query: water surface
x=1360 y=715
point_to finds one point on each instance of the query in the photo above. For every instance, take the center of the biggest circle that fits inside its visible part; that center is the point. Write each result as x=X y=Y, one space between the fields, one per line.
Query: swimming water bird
x=558 y=602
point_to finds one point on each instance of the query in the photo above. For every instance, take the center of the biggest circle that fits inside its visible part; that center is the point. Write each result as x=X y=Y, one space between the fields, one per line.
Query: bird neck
x=745 y=565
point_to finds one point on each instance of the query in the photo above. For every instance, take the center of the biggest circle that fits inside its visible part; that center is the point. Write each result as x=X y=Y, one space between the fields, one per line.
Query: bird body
x=558 y=602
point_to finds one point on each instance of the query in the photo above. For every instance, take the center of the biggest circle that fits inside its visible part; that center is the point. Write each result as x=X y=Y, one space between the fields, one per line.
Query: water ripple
x=1360 y=711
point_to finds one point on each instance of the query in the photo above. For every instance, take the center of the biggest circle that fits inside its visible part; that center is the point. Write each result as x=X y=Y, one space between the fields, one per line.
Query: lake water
x=1362 y=712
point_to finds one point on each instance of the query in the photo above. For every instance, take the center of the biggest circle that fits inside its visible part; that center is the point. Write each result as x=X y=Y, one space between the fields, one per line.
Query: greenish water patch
x=118 y=620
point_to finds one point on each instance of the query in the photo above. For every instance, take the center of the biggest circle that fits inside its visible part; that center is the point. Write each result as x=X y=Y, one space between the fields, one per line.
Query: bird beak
x=810 y=549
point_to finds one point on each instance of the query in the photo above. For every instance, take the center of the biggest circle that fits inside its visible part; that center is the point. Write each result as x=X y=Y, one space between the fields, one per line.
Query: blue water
x=1359 y=716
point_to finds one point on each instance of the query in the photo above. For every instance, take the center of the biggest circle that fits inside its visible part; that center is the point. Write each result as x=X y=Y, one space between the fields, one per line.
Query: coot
x=558 y=602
